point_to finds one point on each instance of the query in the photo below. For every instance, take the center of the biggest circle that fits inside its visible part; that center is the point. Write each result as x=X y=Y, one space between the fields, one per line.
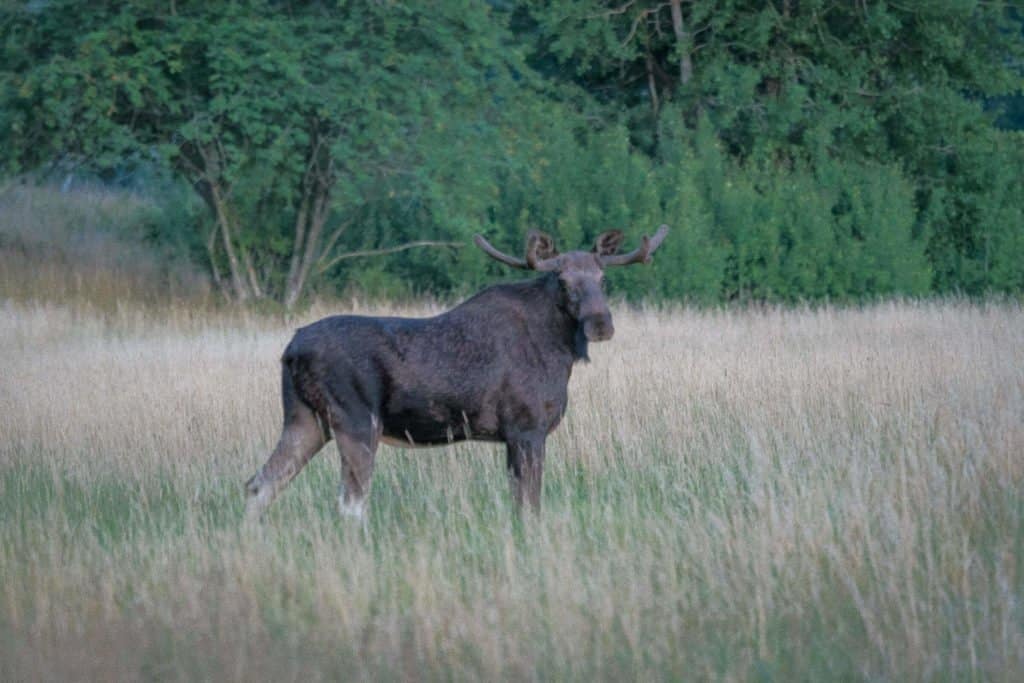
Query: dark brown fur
x=495 y=368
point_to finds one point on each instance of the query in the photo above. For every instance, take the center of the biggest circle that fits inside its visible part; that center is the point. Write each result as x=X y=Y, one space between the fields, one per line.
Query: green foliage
x=803 y=150
x=817 y=87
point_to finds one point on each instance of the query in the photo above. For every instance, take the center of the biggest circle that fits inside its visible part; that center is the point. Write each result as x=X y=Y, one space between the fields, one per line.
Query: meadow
x=736 y=494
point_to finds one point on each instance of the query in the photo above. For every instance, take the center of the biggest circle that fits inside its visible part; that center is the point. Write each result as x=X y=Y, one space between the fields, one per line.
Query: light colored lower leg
x=259 y=498
x=350 y=506
x=356 y=472
x=297 y=445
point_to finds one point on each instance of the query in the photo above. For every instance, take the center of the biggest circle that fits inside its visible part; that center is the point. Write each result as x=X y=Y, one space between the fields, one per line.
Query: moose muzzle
x=598 y=327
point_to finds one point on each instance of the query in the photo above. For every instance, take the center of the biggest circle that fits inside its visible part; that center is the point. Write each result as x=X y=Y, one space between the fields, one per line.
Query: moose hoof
x=354 y=508
x=257 y=498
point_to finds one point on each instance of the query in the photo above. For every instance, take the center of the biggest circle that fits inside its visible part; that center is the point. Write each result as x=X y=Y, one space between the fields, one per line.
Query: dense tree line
x=801 y=149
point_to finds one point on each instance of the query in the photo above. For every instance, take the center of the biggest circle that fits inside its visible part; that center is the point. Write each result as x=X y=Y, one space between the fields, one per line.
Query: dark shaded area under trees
x=800 y=149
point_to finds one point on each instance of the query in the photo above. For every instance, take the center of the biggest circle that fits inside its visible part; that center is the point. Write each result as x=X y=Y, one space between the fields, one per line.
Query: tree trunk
x=652 y=86
x=211 y=254
x=683 y=41
x=305 y=250
x=242 y=292
x=254 y=280
x=292 y=287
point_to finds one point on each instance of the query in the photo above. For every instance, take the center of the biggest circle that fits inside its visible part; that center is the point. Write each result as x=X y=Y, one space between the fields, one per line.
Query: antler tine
x=642 y=254
x=537 y=241
x=513 y=261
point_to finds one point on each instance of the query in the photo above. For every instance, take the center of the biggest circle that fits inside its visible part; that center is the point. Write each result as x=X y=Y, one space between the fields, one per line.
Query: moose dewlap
x=494 y=368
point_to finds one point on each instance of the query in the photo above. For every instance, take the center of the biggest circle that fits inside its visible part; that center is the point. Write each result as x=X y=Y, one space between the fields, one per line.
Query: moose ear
x=608 y=243
x=540 y=245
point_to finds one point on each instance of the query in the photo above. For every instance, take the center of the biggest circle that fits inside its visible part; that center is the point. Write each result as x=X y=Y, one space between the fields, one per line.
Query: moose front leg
x=357 y=432
x=525 y=460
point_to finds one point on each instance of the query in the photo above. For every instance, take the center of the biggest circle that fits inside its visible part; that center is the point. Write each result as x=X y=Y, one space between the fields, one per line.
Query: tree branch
x=331 y=241
x=612 y=12
x=389 y=250
x=640 y=17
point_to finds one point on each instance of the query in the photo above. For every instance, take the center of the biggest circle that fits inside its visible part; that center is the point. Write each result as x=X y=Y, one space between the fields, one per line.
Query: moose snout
x=598 y=327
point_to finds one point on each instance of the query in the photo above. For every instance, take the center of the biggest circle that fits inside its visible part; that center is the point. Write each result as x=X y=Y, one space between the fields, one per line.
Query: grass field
x=740 y=495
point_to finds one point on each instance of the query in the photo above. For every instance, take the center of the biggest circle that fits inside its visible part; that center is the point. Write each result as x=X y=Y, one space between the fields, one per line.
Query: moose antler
x=540 y=251
x=531 y=262
x=513 y=261
x=641 y=254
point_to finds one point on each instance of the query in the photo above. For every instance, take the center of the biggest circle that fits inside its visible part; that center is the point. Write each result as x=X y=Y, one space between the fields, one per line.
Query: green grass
x=638 y=603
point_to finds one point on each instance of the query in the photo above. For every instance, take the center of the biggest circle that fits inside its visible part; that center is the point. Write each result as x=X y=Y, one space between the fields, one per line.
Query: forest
x=801 y=150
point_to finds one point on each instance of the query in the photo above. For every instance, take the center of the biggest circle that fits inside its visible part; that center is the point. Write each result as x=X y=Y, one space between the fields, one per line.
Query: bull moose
x=494 y=368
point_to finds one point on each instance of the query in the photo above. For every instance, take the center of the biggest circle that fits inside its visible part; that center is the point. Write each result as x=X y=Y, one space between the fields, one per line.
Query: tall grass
x=778 y=494
x=90 y=246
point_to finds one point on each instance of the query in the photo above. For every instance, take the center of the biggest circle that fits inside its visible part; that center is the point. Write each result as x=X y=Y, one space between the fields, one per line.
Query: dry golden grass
x=791 y=494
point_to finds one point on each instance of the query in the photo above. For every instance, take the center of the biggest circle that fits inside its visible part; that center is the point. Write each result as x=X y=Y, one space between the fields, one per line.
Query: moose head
x=580 y=273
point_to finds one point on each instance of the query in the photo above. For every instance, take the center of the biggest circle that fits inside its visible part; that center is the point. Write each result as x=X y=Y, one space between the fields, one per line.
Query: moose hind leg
x=301 y=439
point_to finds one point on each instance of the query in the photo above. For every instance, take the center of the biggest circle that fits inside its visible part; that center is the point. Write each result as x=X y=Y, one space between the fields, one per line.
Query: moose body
x=494 y=368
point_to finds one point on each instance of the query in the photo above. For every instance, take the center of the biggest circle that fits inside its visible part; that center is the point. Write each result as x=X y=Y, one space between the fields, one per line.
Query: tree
x=789 y=85
x=803 y=149
x=289 y=119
